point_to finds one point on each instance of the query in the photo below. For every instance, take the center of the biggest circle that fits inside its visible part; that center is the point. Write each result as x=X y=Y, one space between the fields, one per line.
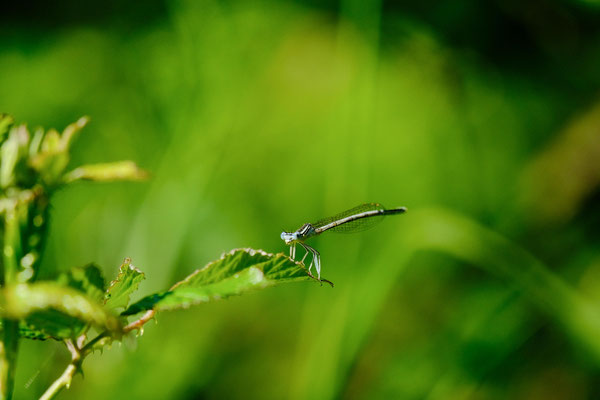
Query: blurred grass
x=256 y=117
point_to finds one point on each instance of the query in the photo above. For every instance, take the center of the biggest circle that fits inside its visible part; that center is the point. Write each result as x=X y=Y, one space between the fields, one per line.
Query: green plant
x=78 y=307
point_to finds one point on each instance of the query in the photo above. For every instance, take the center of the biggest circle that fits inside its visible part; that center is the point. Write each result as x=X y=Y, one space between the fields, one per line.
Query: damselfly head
x=288 y=237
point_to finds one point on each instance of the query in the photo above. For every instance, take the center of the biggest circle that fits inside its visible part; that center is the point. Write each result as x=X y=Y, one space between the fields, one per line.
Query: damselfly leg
x=303 y=258
x=316 y=259
x=316 y=256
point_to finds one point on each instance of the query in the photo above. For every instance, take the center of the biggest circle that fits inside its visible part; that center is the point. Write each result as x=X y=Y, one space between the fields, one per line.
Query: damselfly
x=355 y=219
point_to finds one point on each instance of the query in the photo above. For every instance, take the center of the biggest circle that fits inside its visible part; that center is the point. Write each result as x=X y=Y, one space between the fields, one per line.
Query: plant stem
x=8 y=357
x=137 y=324
x=10 y=337
x=67 y=376
x=78 y=354
x=60 y=383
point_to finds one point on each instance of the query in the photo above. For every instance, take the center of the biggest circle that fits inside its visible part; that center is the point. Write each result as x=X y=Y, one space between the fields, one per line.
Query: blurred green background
x=483 y=118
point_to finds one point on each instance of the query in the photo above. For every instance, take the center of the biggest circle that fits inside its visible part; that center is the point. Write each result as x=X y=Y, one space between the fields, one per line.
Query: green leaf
x=70 y=132
x=55 y=310
x=50 y=151
x=53 y=324
x=87 y=279
x=236 y=272
x=13 y=149
x=51 y=160
x=115 y=171
x=51 y=142
x=5 y=122
x=119 y=290
x=36 y=142
x=27 y=331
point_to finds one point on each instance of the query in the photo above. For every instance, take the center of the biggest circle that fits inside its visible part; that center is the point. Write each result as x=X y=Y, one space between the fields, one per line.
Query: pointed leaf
x=70 y=132
x=115 y=171
x=51 y=142
x=127 y=282
x=11 y=152
x=236 y=272
x=36 y=142
x=51 y=160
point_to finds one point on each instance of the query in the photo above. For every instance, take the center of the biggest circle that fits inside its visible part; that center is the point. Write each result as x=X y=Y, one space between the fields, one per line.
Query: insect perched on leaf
x=356 y=219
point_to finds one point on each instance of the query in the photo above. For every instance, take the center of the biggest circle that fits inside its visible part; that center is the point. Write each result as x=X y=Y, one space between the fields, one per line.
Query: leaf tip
x=83 y=121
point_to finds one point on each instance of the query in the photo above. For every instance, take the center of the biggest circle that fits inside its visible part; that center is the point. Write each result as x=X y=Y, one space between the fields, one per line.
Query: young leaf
x=119 y=290
x=115 y=171
x=11 y=153
x=70 y=131
x=54 y=309
x=51 y=160
x=236 y=272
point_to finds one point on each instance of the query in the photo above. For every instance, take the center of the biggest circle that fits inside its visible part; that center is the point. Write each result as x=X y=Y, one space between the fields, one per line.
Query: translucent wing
x=357 y=225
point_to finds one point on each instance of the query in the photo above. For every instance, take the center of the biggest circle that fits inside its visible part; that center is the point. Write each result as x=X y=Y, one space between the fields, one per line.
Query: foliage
x=236 y=272
x=32 y=168
x=255 y=117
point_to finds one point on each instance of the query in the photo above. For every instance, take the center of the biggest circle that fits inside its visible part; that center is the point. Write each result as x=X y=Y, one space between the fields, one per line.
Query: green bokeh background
x=257 y=116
